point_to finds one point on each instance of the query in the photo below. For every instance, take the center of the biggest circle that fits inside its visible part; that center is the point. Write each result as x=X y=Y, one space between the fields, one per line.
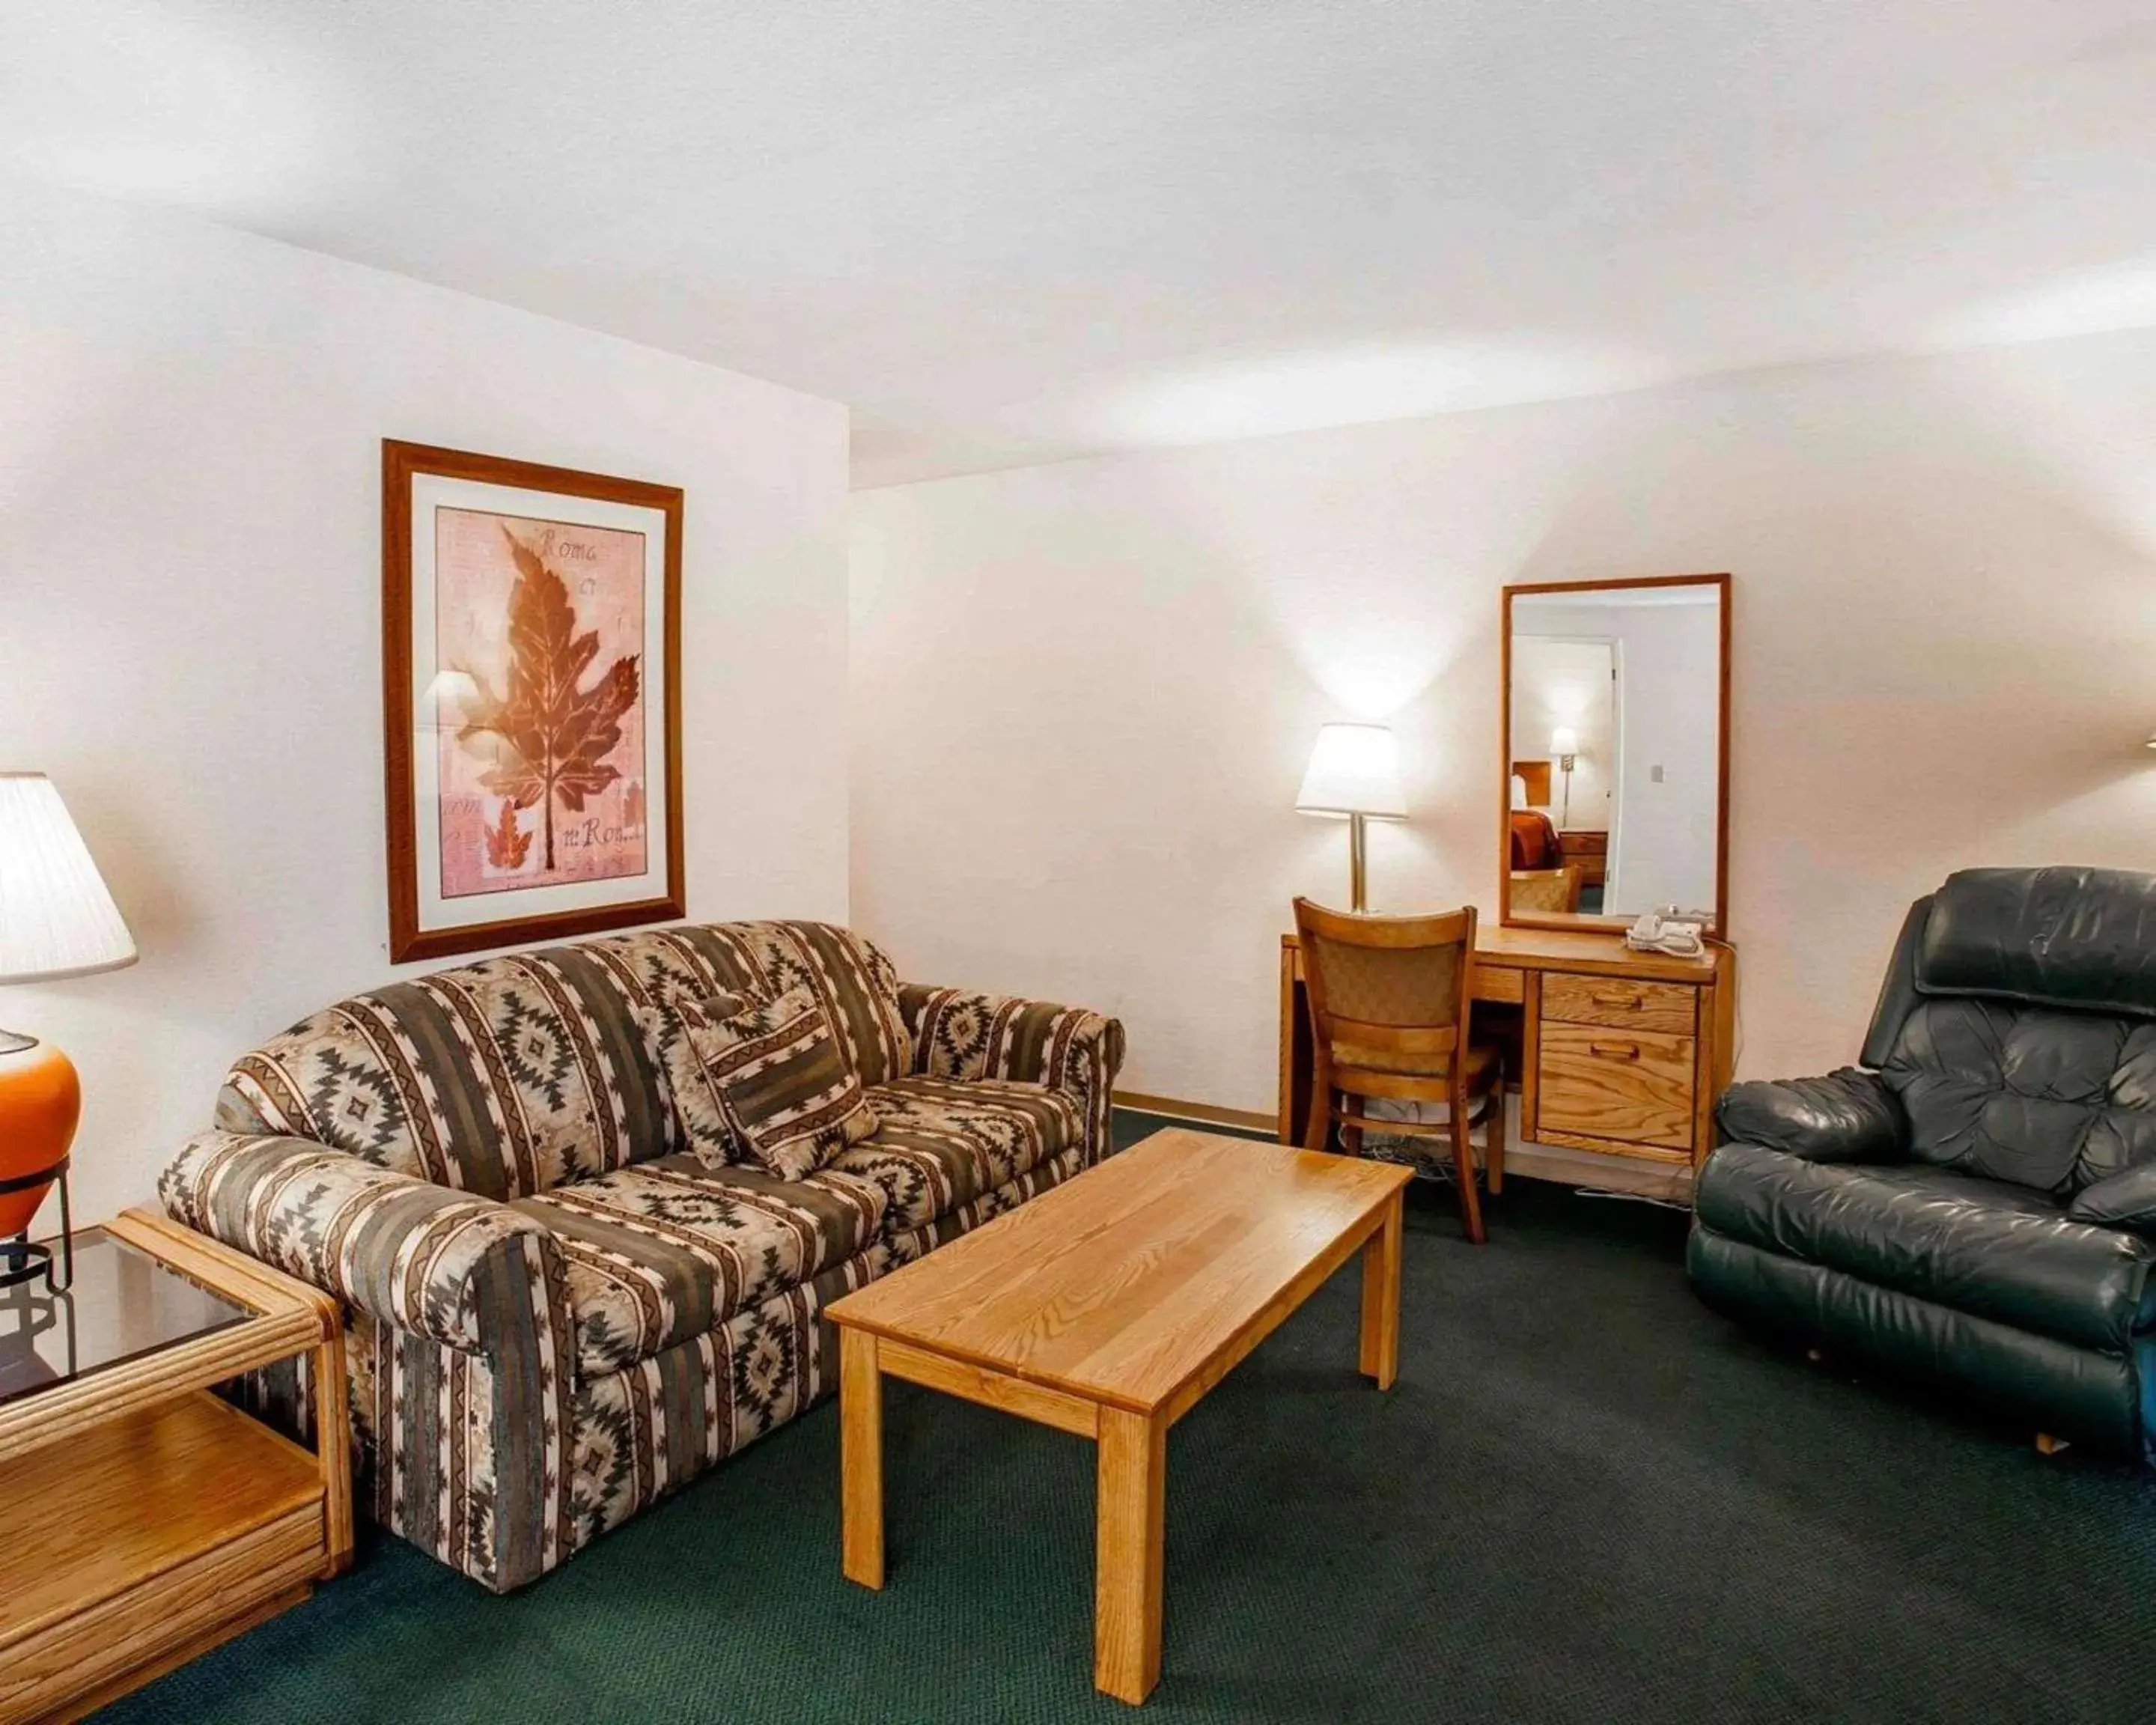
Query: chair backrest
x=2017 y=1024
x=1396 y=985
x=1547 y=889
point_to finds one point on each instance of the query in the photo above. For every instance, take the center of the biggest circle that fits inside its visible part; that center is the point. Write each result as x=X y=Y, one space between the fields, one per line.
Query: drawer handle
x=1628 y=1003
x=1615 y=1050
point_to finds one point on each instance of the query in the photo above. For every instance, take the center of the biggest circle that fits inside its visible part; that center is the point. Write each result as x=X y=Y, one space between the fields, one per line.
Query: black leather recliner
x=1976 y=1209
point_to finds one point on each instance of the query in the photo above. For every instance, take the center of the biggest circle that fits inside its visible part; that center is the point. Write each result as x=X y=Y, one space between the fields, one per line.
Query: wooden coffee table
x=1108 y=1307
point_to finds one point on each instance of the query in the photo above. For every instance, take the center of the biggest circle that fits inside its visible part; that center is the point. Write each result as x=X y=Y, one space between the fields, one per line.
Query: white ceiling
x=1006 y=231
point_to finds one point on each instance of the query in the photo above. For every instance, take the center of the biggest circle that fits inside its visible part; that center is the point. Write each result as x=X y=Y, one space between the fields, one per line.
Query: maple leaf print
x=545 y=738
x=506 y=845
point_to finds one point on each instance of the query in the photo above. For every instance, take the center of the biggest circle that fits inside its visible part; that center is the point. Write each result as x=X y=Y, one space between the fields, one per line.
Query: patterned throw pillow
x=700 y=1123
x=769 y=1076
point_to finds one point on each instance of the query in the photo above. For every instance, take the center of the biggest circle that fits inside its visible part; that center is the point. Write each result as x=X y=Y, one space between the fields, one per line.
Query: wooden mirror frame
x=1719 y=928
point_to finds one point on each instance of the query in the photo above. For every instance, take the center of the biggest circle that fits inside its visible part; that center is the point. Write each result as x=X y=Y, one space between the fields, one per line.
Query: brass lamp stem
x=1359 y=860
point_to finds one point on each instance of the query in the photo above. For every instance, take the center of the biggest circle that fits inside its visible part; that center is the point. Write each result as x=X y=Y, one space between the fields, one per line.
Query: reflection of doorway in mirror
x=1566 y=700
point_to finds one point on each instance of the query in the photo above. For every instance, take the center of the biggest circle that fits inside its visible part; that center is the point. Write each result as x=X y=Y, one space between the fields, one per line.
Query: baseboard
x=1530 y=1161
x=1174 y=1108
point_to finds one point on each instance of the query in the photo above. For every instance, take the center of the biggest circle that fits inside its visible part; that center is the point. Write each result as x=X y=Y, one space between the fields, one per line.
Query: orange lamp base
x=40 y=1101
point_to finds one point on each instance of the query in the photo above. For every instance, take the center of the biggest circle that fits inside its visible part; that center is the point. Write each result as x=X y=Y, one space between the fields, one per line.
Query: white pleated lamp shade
x=1355 y=769
x=56 y=918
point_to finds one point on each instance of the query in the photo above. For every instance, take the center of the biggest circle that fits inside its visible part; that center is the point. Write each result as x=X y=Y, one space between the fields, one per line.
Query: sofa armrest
x=962 y=1034
x=2126 y=1200
x=459 y=1270
x=1848 y=1116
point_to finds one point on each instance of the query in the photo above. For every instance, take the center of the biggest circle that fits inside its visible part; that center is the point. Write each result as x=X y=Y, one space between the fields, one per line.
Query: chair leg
x=1493 y=1150
x=1463 y=1169
x=1351 y=1129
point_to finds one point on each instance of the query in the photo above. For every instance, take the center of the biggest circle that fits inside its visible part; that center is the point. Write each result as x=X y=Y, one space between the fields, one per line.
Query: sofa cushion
x=941 y=1142
x=666 y=1251
x=2000 y=1251
x=503 y=1078
x=853 y=979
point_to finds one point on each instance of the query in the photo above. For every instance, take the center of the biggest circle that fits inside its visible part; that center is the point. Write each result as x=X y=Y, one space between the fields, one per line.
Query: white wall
x=190 y=615
x=1084 y=693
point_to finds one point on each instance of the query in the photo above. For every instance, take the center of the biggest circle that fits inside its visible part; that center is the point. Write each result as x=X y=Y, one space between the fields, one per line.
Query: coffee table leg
x=1381 y=1298
x=860 y=1458
x=1133 y=1498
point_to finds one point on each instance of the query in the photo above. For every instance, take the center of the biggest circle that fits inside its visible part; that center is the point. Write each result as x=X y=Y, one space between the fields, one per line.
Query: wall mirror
x=1615 y=783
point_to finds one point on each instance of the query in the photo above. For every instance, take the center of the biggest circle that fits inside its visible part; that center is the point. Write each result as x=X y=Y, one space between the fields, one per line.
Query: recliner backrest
x=2017 y=1024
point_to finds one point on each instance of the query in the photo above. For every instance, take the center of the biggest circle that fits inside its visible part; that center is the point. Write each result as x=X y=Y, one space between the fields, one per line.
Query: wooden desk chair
x=1390 y=997
x=1548 y=888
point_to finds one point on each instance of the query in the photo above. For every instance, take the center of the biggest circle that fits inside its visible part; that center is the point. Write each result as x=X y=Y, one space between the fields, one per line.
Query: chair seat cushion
x=663 y=1252
x=941 y=1142
x=1348 y=1059
x=2003 y=1252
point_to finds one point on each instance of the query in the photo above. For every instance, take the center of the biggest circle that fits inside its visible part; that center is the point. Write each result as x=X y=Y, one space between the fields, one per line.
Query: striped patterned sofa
x=555 y=1314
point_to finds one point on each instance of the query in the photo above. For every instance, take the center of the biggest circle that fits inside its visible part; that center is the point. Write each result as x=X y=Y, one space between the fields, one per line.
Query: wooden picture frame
x=1718 y=926
x=531 y=701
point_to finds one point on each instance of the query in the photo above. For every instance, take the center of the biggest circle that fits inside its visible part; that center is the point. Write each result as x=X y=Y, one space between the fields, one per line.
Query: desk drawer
x=1629 y=1086
x=1620 y=1003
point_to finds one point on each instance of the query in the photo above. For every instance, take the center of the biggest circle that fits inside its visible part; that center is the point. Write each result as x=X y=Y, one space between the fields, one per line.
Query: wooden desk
x=1623 y=1053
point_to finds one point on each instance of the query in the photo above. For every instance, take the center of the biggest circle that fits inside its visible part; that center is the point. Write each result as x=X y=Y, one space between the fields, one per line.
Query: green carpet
x=1587 y=1498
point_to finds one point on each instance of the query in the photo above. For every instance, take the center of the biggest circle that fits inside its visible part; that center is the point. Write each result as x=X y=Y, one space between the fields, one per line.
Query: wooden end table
x=1108 y=1307
x=142 y=1519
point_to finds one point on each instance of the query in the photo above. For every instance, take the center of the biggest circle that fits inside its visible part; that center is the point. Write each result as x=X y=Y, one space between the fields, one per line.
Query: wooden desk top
x=1133 y=1284
x=1595 y=951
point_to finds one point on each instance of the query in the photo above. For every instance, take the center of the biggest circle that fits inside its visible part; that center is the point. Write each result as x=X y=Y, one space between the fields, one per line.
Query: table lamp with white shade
x=1354 y=771
x=56 y=920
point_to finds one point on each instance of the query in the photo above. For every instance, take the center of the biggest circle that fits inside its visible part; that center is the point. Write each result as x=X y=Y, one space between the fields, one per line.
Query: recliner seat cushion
x=941 y=1142
x=2002 y=1252
x=665 y=1251
x=2052 y=1100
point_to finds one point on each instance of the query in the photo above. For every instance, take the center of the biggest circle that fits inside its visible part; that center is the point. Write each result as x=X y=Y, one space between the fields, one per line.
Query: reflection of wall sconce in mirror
x=1564 y=744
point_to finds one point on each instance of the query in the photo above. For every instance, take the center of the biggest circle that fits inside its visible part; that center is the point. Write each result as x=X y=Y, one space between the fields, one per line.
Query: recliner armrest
x=1848 y=1116
x=2126 y=1200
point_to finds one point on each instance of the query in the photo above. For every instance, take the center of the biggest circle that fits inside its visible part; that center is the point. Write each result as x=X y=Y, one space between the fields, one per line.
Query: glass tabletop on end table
x=123 y=1305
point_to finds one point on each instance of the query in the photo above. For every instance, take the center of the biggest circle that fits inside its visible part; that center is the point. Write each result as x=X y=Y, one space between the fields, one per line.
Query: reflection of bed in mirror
x=1615 y=716
x=1534 y=839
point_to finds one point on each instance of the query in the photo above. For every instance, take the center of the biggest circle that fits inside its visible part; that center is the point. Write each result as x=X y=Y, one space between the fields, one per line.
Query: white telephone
x=1669 y=930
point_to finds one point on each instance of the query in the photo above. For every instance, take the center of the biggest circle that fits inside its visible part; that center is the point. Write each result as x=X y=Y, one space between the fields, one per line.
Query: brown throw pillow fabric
x=698 y=1123
x=768 y=1077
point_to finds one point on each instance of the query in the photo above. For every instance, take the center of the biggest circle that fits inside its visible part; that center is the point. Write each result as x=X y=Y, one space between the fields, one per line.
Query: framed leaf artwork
x=531 y=678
